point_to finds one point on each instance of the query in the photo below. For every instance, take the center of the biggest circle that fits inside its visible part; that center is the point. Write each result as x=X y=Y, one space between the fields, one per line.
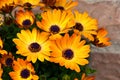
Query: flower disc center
x=34 y=47
x=68 y=54
x=78 y=26
x=28 y=4
x=58 y=7
x=54 y=29
x=9 y=61
x=26 y=22
x=25 y=73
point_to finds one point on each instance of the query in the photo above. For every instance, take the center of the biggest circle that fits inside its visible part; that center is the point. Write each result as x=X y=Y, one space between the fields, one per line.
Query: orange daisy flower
x=30 y=3
x=85 y=25
x=84 y=77
x=59 y=4
x=100 y=39
x=24 y=18
x=33 y=44
x=7 y=59
x=7 y=5
x=23 y=70
x=1 y=48
x=70 y=52
x=55 y=22
x=1 y=71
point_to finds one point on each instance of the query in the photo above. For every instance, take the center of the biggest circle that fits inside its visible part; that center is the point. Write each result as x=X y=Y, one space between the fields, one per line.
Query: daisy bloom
x=24 y=18
x=1 y=19
x=1 y=71
x=23 y=70
x=60 y=4
x=34 y=45
x=100 y=39
x=30 y=3
x=7 y=59
x=84 y=77
x=84 y=25
x=7 y=5
x=55 y=22
x=70 y=52
x=1 y=48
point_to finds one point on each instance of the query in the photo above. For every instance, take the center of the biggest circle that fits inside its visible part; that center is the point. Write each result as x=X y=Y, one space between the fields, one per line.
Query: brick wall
x=105 y=60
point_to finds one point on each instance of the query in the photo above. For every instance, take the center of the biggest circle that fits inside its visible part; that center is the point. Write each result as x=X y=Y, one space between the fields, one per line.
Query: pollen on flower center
x=26 y=22
x=54 y=29
x=25 y=73
x=34 y=47
x=68 y=54
x=9 y=61
x=78 y=26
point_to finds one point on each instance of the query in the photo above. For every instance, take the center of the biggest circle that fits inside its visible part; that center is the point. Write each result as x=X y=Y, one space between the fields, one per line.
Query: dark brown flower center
x=25 y=73
x=9 y=61
x=54 y=29
x=78 y=26
x=34 y=47
x=27 y=4
x=96 y=42
x=49 y=2
x=58 y=7
x=26 y=22
x=68 y=54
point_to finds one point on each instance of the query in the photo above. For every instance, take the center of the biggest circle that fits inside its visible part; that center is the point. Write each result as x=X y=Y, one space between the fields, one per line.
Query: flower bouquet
x=52 y=44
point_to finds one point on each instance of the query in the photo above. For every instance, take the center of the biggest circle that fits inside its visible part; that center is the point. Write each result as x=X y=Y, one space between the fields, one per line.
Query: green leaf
x=53 y=78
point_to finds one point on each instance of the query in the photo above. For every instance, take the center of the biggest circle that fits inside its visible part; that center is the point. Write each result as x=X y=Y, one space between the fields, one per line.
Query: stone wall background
x=105 y=60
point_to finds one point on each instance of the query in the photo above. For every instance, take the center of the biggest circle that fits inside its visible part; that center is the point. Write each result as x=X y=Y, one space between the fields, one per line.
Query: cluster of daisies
x=59 y=34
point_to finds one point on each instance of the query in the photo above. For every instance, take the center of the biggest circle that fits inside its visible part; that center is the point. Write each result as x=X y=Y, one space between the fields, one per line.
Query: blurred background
x=105 y=60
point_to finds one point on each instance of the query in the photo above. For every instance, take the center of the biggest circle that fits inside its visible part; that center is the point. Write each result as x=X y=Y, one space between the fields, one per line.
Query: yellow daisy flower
x=70 y=52
x=24 y=18
x=7 y=5
x=1 y=19
x=85 y=25
x=59 y=4
x=1 y=48
x=23 y=70
x=55 y=22
x=84 y=77
x=30 y=3
x=100 y=39
x=34 y=45
x=7 y=59
x=1 y=71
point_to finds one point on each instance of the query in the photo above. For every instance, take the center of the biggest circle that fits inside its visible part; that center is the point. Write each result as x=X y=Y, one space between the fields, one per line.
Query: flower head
x=70 y=52
x=7 y=6
x=100 y=39
x=34 y=46
x=23 y=70
x=84 y=77
x=1 y=71
x=30 y=3
x=60 y=4
x=55 y=22
x=7 y=59
x=1 y=48
x=24 y=18
x=84 y=25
